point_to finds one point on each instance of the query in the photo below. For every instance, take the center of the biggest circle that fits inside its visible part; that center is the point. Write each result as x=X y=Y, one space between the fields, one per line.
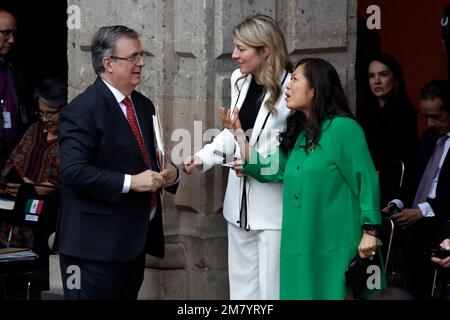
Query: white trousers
x=254 y=264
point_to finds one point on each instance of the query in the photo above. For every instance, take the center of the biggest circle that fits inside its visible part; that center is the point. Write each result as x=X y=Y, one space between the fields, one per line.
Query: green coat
x=328 y=193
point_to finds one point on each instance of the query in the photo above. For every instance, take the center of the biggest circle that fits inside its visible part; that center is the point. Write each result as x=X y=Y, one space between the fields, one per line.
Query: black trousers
x=96 y=280
x=419 y=267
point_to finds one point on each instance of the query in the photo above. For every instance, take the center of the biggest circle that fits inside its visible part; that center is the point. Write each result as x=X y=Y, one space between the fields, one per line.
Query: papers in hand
x=7 y=203
x=159 y=137
x=17 y=254
x=229 y=164
x=233 y=163
x=230 y=159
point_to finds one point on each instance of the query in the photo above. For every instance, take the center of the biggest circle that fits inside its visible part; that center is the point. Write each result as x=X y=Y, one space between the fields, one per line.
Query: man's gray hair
x=104 y=43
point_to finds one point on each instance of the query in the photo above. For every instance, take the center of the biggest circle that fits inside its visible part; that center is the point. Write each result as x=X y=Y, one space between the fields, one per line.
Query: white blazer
x=264 y=200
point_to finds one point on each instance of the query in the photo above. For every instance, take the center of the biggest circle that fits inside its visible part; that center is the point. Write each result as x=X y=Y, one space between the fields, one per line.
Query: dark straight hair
x=329 y=101
x=53 y=92
x=398 y=97
x=437 y=89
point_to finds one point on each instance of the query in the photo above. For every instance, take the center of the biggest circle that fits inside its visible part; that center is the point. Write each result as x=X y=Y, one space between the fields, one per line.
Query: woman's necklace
x=311 y=145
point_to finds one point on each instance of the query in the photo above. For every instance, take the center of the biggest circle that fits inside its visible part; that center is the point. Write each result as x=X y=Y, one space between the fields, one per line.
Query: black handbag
x=357 y=274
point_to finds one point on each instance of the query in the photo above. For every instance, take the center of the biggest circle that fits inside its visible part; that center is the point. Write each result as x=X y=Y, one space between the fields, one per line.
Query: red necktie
x=131 y=117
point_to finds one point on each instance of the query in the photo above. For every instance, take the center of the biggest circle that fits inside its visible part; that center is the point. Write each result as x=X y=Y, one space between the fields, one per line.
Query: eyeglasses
x=46 y=115
x=133 y=58
x=8 y=33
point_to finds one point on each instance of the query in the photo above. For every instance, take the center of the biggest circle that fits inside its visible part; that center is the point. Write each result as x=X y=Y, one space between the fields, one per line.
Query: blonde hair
x=260 y=31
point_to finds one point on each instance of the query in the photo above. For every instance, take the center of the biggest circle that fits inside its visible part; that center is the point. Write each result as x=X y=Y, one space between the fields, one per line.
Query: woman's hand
x=190 y=163
x=234 y=125
x=368 y=246
x=237 y=167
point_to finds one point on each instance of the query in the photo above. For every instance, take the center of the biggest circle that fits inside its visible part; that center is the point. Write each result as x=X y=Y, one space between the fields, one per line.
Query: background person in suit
x=425 y=200
x=15 y=99
x=36 y=159
x=252 y=209
x=110 y=213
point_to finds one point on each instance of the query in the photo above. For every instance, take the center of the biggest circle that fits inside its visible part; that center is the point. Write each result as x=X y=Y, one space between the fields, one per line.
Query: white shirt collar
x=117 y=94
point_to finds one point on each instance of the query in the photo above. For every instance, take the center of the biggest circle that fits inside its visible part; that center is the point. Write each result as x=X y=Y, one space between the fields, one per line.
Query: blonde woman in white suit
x=252 y=209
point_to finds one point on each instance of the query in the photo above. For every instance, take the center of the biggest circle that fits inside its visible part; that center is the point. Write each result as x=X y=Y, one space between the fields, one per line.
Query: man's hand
x=169 y=174
x=42 y=190
x=12 y=188
x=147 y=181
x=385 y=210
x=407 y=217
x=190 y=163
x=445 y=263
x=28 y=180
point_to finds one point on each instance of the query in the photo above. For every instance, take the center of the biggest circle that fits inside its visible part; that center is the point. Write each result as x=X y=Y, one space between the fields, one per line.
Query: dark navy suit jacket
x=96 y=220
x=441 y=204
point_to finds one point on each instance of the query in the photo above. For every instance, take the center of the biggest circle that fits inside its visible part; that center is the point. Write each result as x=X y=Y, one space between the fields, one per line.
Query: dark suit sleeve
x=441 y=204
x=78 y=142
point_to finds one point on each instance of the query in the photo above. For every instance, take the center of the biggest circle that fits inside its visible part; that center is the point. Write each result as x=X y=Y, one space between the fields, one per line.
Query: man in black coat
x=15 y=99
x=425 y=202
x=110 y=213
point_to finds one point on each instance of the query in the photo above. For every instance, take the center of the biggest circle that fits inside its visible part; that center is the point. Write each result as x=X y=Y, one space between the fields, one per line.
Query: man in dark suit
x=110 y=213
x=425 y=201
x=15 y=98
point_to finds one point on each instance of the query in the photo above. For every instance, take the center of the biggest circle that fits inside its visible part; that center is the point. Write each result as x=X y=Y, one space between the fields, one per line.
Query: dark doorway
x=41 y=42
x=411 y=32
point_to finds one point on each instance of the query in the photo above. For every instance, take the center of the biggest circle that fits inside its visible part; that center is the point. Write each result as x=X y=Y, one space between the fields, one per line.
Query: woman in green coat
x=330 y=186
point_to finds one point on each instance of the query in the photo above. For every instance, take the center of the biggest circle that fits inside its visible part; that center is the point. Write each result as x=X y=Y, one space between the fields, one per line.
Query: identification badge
x=7 y=124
